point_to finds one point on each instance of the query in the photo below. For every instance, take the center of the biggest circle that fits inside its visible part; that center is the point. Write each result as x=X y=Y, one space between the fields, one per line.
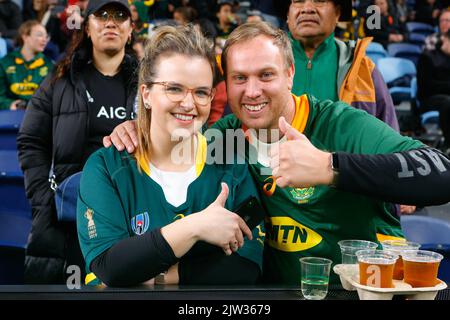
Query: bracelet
x=161 y=278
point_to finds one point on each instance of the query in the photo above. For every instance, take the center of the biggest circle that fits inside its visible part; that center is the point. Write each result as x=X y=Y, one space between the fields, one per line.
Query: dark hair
x=81 y=42
x=188 y=13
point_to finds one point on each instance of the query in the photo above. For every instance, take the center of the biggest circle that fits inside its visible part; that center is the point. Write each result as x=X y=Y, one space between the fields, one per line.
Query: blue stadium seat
x=433 y=234
x=417 y=39
x=376 y=51
x=13 y=200
x=405 y=50
x=419 y=27
x=3 y=48
x=393 y=69
x=9 y=127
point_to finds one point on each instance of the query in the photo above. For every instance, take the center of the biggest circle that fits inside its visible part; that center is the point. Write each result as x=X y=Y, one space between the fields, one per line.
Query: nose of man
x=253 y=89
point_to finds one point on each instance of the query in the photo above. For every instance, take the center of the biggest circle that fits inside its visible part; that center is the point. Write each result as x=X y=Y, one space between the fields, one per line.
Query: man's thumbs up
x=287 y=130
x=297 y=162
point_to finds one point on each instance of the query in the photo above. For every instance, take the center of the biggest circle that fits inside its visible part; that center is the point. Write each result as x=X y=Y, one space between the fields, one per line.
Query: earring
x=147 y=106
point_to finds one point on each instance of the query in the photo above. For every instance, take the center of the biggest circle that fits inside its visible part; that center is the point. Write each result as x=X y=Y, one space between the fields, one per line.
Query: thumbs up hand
x=297 y=163
x=222 y=227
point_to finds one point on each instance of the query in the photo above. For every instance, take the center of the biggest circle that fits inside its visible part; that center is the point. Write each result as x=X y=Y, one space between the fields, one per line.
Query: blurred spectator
x=226 y=19
x=254 y=16
x=268 y=10
x=72 y=17
x=205 y=8
x=92 y=90
x=444 y=26
x=433 y=80
x=138 y=47
x=353 y=29
x=159 y=9
x=139 y=16
x=22 y=70
x=391 y=30
x=10 y=19
x=184 y=15
x=207 y=27
x=42 y=11
x=427 y=11
x=403 y=12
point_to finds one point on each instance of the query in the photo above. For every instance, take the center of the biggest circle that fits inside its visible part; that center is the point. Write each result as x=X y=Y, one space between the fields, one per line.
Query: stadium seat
x=417 y=39
x=376 y=51
x=419 y=27
x=9 y=127
x=433 y=234
x=405 y=50
x=13 y=200
x=3 y=48
x=393 y=70
x=12 y=259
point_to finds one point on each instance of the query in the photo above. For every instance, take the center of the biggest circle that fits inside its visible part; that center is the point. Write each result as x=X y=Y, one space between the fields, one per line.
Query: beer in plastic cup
x=315 y=277
x=421 y=268
x=397 y=247
x=349 y=248
x=376 y=268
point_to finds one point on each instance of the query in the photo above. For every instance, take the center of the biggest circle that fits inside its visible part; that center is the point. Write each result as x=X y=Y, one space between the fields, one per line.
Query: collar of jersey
x=300 y=117
x=200 y=157
x=36 y=62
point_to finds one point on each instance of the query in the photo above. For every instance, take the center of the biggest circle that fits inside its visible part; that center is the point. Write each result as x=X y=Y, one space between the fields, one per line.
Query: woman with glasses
x=162 y=214
x=22 y=70
x=90 y=91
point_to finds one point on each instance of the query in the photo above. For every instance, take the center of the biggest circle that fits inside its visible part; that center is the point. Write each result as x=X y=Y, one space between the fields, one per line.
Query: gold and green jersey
x=310 y=221
x=19 y=79
x=117 y=200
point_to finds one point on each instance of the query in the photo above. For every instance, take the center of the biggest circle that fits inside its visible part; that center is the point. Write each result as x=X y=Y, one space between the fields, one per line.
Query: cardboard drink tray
x=349 y=275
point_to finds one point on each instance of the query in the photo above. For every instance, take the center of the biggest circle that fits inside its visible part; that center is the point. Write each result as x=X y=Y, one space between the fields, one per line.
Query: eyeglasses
x=118 y=16
x=316 y=3
x=40 y=35
x=177 y=93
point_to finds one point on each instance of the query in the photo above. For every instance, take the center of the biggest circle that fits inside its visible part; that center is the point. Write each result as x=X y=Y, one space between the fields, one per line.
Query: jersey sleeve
x=100 y=215
x=347 y=129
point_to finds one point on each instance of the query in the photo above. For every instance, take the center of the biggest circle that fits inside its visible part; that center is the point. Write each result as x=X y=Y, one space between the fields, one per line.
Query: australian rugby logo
x=140 y=223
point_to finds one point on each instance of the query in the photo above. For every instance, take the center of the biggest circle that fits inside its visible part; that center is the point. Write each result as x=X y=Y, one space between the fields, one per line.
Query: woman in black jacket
x=91 y=91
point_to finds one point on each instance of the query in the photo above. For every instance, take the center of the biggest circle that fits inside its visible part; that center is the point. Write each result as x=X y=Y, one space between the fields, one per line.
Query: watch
x=335 y=168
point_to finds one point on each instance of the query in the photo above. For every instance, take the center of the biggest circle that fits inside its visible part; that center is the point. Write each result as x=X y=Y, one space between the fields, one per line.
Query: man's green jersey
x=310 y=221
x=118 y=200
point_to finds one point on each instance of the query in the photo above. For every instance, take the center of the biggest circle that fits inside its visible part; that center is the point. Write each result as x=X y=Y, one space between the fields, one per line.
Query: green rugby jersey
x=310 y=221
x=117 y=201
